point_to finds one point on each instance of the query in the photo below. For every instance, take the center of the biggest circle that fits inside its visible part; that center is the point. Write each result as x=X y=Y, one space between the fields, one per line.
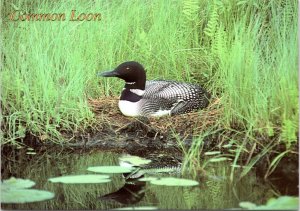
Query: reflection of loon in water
x=132 y=192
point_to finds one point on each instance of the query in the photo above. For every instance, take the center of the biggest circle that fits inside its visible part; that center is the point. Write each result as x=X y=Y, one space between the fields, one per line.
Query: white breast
x=161 y=113
x=130 y=108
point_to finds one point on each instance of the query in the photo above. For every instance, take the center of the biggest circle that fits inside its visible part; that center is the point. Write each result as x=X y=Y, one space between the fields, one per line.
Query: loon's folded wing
x=172 y=89
x=158 y=107
x=174 y=97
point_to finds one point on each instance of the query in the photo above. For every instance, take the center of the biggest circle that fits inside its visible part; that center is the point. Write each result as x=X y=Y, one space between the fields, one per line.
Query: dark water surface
x=215 y=191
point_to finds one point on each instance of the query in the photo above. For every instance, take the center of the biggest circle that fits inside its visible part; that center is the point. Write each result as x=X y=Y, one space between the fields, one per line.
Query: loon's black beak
x=112 y=73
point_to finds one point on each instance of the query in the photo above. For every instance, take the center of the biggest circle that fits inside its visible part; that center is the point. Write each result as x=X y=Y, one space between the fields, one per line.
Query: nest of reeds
x=108 y=114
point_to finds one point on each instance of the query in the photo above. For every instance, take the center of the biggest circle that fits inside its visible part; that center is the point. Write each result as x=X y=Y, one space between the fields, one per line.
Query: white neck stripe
x=138 y=91
x=130 y=83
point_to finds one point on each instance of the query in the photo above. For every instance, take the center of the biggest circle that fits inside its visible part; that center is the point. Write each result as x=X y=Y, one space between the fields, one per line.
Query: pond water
x=215 y=191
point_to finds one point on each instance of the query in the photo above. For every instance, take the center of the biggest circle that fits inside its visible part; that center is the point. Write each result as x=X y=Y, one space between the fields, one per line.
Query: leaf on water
x=24 y=195
x=220 y=159
x=247 y=205
x=212 y=153
x=282 y=203
x=110 y=169
x=16 y=183
x=136 y=208
x=172 y=181
x=81 y=179
x=148 y=179
x=134 y=160
x=14 y=190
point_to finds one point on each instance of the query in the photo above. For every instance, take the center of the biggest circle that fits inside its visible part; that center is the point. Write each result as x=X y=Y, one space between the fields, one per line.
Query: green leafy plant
x=280 y=203
x=16 y=190
x=110 y=169
x=81 y=179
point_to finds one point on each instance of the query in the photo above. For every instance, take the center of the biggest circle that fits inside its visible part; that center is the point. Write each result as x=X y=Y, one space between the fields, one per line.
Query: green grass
x=244 y=52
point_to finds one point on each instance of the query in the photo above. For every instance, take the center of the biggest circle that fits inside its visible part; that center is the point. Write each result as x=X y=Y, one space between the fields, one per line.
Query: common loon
x=157 y=97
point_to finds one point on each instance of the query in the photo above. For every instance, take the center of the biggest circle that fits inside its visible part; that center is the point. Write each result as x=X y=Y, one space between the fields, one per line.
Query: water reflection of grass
x=243 y=52
x=69 y=196
x=214 y=191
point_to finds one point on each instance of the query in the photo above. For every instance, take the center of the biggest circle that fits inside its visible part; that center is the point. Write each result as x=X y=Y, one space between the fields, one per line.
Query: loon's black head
x=133 y=73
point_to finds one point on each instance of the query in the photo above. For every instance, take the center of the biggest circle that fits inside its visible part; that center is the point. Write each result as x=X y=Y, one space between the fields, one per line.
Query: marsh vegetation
x=245 y=53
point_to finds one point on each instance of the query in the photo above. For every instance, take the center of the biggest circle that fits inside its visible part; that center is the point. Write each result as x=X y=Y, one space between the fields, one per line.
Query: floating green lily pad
x=24 y=195
x=247 y=205
x=110 y=169
x=148 y=179
x=172 y=181
x=281 y=203
x=212 y=153
x=81 y=179
x=134 y=160
x=16 y=183
x=14 y=190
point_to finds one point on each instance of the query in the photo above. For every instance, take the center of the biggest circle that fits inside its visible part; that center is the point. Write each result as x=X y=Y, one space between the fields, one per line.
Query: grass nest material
x=108 y=115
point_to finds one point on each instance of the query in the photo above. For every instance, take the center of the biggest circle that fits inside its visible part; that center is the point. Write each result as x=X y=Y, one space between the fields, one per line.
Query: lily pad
x=247 y=205
x=148 y=179
x=14 y=190
x=81 y=179
x=172 y=181
x=16 y=183
x=110 y=169
x=133 y=160
x=281 y=203
x=24 y=195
